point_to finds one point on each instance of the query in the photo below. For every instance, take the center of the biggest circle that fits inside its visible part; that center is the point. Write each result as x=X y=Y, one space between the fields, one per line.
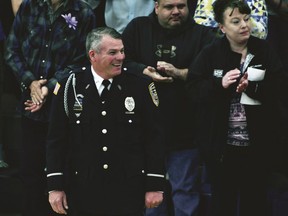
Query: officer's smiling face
x=108 y=61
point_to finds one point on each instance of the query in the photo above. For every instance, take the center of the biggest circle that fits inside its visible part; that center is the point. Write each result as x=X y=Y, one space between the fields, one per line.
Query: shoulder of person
x=140 y=20
x=218 y=42
x=257 y=43
x=30 y=2
x=79 y=70
x=81 y=5
x=216 y=47
x=135 y=78
x=75 y=73
x=194 y=28
x=136 y=24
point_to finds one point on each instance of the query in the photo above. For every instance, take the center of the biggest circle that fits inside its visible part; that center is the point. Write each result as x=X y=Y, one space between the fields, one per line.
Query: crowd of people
x=124 y=104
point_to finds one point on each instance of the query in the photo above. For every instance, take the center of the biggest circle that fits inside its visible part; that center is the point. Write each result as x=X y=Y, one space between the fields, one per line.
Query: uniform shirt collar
x=98 y=80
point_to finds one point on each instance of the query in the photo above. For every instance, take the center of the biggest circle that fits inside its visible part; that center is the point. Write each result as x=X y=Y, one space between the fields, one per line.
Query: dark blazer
x=105 y=155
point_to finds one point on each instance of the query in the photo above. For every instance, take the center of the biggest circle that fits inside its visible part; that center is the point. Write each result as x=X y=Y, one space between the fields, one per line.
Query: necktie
x=106 y=83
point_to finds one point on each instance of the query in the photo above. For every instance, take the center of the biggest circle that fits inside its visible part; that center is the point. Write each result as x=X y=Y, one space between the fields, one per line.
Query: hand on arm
x=58 y=201
x=171 y=70
x=153 y=199
x=36 y=91
x=30 y=105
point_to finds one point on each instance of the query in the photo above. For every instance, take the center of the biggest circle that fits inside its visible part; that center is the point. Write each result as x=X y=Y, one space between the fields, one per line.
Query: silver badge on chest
x=129 y=104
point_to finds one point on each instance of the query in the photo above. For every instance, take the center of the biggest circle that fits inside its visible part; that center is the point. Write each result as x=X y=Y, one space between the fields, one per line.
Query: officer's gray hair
x=94 y=38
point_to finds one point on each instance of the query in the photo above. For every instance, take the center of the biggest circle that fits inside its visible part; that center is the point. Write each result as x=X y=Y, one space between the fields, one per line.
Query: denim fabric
x=184 y=177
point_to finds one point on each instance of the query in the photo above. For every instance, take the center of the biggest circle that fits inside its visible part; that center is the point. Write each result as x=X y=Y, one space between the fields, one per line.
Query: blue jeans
x=184 y=177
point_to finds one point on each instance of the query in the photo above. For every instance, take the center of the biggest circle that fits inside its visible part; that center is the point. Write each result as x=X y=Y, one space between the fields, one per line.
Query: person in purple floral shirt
x=47 y=40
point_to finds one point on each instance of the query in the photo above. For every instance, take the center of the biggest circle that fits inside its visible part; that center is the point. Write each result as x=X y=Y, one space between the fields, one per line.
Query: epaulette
x=79 y=70
x=72 y=70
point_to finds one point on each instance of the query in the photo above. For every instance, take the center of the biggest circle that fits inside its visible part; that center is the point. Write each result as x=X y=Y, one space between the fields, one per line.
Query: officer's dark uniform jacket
x=147 y=42
x=105 y=155
x=265 y=122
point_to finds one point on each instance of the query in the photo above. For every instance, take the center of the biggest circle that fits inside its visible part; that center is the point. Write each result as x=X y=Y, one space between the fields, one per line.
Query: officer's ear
x=92 y=55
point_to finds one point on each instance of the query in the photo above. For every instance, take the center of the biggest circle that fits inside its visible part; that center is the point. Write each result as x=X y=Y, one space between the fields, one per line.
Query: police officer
x=105 y=146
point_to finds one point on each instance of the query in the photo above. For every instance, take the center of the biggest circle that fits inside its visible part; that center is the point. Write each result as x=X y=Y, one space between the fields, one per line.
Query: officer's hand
x=153 y=199
x=58 y=201
x=151 y=72
x=36 y=91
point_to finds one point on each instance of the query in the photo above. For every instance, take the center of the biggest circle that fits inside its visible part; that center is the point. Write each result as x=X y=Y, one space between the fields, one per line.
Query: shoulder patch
x=56 y=89
x=153 y=93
